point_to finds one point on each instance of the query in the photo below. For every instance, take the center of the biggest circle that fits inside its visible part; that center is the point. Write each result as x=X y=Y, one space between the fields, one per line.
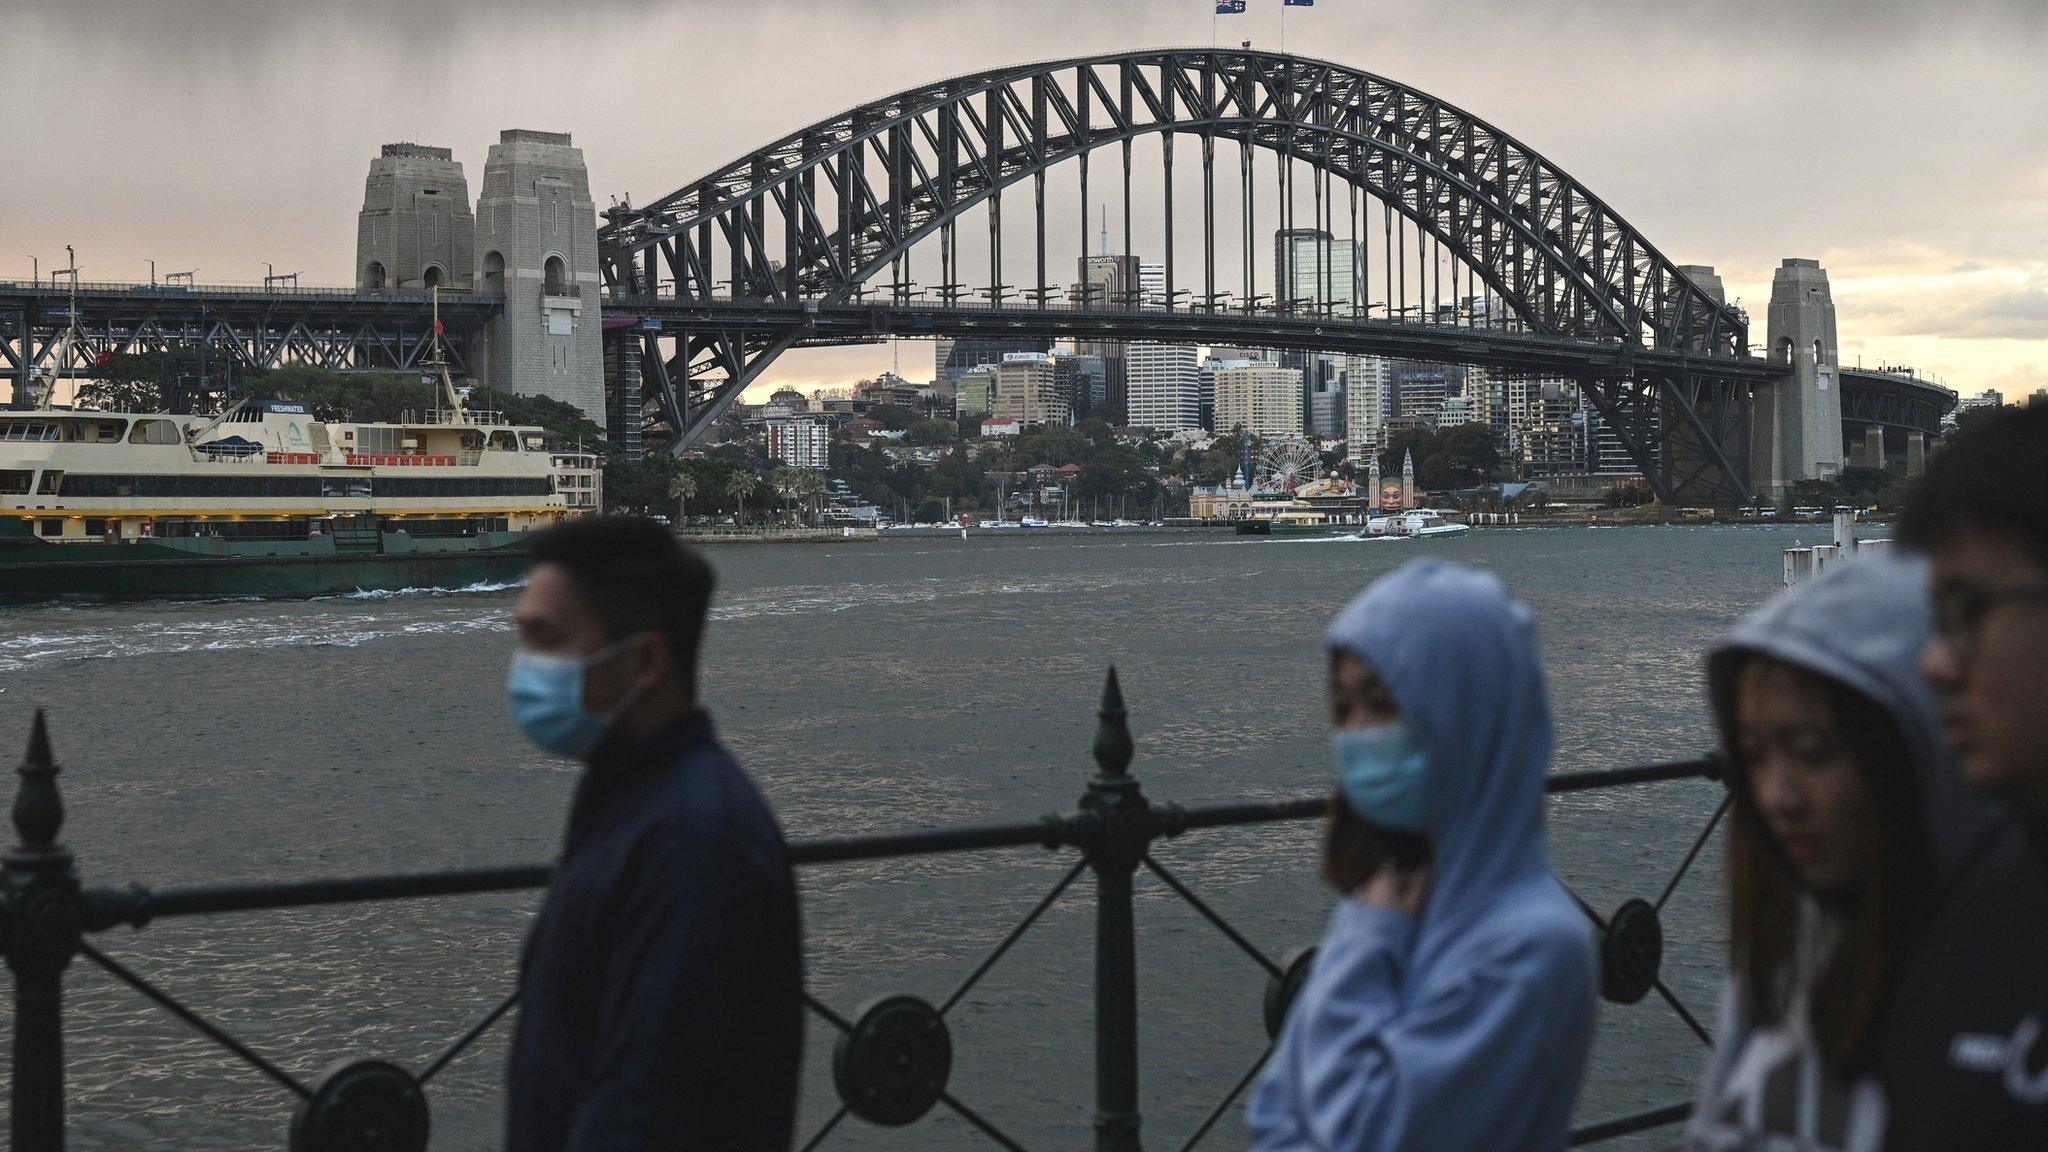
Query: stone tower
x=415 y=230
x=1408 y=478
x=1796 y=421
x=1372 y=482
x=536 y=242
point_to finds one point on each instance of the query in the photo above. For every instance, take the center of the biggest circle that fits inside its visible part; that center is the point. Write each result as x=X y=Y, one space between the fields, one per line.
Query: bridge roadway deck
x=819 y=322
x=115 y=313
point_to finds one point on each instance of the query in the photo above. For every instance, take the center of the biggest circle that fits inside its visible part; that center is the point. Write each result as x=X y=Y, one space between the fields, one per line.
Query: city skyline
x=1935 y=238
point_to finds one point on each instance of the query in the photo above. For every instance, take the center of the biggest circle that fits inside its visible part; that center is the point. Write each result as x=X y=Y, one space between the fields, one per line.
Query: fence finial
x=1112 y=731
x=38 y=810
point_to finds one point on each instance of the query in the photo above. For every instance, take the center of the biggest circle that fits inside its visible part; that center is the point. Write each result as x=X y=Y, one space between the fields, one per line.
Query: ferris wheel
x=1285 y=465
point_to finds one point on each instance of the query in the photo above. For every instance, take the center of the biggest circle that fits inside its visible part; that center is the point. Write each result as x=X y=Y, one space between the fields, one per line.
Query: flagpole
x=1283 y=27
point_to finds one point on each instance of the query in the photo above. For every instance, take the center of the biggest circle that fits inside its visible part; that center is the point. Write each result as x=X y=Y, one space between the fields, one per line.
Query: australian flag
x=1230 y=7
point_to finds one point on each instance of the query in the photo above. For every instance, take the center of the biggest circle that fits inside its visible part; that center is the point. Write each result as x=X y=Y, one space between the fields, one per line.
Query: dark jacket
x=660 y=988
x=1964 y=1051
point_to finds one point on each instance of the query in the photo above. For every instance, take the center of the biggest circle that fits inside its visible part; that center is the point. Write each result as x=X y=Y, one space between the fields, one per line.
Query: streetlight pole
x=152 y=273
x=36 y=270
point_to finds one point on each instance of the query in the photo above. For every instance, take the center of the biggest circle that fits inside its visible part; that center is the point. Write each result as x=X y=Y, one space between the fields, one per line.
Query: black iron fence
x=892 y=1060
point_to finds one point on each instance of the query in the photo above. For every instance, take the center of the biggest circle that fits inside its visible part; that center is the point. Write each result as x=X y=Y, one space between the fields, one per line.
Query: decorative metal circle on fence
x=893 y=1065
x=362 y=1106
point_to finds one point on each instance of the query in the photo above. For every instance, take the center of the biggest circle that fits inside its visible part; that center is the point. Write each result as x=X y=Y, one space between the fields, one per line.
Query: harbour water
x=869 y=687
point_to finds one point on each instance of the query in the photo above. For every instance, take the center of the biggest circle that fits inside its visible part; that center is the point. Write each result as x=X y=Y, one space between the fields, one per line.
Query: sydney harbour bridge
x=925 y=214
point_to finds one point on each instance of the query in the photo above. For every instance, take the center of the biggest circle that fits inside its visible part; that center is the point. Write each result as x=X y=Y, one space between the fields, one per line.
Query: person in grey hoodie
x=1450 y=1005
x=1847 y=823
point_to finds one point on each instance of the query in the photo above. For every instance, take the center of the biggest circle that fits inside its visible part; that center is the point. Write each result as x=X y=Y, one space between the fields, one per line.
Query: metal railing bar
x=1212 y=916
x=1558 y=783
x=1707 y=767
x=1630 y=1125
x=1697 y=844
x=972 y=1117
x=467 y=1038
x=1684 y=1013
x=305 y=893
x=836 y=849
x=1229 y=1098
x=831 y=1017
x=139 y=906
x=1015 y=934
x=191 y=1018
x=825 y=1129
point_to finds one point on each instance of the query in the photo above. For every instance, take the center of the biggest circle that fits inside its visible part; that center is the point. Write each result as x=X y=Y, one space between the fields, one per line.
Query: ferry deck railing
x=892 y=1060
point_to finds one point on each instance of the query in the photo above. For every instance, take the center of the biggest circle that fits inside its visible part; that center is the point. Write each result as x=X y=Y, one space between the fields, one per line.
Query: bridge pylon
x=1796 y=424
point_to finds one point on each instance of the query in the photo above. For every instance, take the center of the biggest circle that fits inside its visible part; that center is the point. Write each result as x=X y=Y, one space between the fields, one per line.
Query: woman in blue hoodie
x=1450 y=1005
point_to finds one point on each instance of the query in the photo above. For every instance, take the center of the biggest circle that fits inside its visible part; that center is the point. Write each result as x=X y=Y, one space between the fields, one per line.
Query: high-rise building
x=1082 y=382
x=1165 y=387
x=1263 y=399
x=1554 y=449
x=536 y=233
x=1313 y=271
x=1025 y=390
x=1606 y=454
x=974 y=393
x=416 y=229
x=801 y=442
x=1368 y=386
x=1108 y=281
x=1420 y=390
x=956 y=357
x=1152 y=284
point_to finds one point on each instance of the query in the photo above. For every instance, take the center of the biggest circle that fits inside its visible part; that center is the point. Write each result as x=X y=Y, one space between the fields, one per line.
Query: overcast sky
x=1905 y=145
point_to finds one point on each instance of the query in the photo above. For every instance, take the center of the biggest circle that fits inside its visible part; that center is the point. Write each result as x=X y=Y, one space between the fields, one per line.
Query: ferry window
x=25 y=430
x=345 y=486
x=155 y=432
x=379 y=439
x=504 y=442
x=109 y=431
x=95 y=527
x=53 y=482
x=16 y=481
x=51 y=526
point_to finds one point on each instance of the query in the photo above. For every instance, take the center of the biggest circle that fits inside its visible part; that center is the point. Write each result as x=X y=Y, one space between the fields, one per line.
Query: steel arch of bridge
x=902 y=170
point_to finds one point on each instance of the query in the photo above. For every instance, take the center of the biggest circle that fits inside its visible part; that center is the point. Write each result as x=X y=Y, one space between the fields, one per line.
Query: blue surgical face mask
x=1384 y=775
x=545 y=693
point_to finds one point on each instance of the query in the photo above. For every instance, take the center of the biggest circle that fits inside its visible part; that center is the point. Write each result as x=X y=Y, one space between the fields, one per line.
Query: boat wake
x=482 y=586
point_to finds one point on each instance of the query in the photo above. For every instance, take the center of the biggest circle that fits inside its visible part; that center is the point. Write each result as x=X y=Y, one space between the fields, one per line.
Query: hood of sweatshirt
x=1863 y=625
x=1461 y=658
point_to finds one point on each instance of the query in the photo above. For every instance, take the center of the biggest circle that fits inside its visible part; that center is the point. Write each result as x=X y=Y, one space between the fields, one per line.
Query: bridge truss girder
x=905 y=170
x=361 y=347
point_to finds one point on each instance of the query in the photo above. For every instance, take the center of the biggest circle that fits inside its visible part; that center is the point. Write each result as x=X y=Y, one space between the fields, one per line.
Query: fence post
x=1123 y=817
x=45 y=912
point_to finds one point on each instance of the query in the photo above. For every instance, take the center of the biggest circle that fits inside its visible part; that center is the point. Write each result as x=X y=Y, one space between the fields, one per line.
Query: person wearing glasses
x=1965 y=1053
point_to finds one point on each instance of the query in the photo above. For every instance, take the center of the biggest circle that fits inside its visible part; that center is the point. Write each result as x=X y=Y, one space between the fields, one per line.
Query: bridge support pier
x=1916 y=453
x=1795 y=431
x=1873 y=447
x=622 y=390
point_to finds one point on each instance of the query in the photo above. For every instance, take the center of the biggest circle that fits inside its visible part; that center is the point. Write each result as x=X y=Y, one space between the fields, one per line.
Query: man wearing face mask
x=660 y=990
x=1450 y=1004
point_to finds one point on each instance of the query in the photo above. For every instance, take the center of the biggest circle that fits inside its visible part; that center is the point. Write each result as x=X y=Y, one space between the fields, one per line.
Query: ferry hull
x=143 y=570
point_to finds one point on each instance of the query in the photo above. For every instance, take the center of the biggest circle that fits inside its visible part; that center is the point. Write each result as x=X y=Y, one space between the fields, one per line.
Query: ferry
x=1416 y=522
x=264 y=499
